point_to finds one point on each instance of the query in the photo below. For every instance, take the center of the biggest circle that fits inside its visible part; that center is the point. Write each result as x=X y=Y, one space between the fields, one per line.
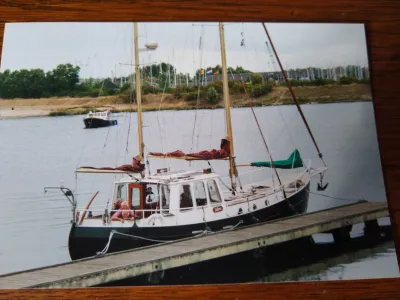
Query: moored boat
x=99 y=119
x=168 y=205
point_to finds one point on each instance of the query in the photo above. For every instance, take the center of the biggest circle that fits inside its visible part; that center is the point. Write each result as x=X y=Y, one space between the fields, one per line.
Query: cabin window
x=122 y=192
x=151 y=193
x=120 y=196
x=135 y=192
x=186 y=200
x=165 y=198
x=215 y=197
x=200 y=193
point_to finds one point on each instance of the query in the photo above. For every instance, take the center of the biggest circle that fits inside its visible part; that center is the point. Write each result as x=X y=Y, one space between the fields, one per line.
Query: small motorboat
x=99 y=119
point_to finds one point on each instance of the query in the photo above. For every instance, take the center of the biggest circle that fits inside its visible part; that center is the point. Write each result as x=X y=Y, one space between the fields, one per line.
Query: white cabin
x=183 y=198
x=105 y=115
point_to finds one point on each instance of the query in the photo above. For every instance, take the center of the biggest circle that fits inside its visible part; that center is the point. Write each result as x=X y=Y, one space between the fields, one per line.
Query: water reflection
x=375 y=262
x=297 y=260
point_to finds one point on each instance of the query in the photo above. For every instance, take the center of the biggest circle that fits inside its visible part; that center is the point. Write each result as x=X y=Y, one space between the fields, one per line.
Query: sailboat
x=173 y=204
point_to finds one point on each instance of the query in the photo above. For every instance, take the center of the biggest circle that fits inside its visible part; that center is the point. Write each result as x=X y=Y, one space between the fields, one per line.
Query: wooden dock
x=127 y=264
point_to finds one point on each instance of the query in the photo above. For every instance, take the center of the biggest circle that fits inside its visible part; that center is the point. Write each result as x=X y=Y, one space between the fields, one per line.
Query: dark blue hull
x=97 y=123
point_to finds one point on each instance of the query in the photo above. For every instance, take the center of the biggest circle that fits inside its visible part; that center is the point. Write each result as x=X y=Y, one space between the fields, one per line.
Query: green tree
x=256 y=78
x=63 y=79
x=35 y=83
x=212 y=95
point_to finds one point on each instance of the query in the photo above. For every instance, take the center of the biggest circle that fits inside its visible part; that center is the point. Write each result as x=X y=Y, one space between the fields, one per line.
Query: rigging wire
x=320 y=185
x=130 y=97
x=211 y=127
x=276 y=103
x=243 y=44
x=158 y=115
x=293 y=95
x=262 y=135
x=126 y=114
x=201 y=112
x=109 y=128
x=278 y=106
x=250 y=101
x=201 y=48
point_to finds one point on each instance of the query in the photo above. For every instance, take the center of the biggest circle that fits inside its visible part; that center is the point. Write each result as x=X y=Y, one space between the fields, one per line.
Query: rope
x=337 y=198
x=104 y=251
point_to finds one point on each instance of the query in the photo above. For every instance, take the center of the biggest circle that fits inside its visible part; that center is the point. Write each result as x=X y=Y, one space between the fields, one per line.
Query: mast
x=227 y=108
x=138 y=94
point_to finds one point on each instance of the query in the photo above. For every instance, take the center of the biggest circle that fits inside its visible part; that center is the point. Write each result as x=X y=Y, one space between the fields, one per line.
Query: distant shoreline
x=31 y=113
x=22 y=108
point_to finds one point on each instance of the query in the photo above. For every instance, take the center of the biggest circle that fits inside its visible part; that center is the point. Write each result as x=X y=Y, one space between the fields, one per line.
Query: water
x=39 y=152
x=370 y=262
x=374 y=262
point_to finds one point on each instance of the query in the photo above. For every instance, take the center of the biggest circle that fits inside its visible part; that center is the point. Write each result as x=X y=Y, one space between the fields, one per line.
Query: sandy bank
x=20 y=108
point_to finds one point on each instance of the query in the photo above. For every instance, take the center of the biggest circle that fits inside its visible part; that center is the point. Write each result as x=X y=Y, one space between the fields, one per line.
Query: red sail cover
x=224 y=152
x=135 y=167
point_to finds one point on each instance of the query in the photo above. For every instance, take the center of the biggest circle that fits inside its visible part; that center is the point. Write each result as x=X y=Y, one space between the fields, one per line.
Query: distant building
x=334 y=73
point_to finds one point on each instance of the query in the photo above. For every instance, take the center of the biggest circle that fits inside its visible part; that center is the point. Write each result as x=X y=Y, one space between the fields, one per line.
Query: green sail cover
x=294 y=161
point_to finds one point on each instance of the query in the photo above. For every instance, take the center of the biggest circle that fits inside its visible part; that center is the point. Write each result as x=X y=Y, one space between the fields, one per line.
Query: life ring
x=153 y=217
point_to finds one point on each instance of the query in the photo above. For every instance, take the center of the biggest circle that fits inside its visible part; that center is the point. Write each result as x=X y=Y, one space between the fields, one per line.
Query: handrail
x=134 y=210
x=87 y=207
x=159 y=210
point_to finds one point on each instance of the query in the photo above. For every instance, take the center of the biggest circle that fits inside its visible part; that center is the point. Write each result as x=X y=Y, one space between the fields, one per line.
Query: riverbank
x=20 y=108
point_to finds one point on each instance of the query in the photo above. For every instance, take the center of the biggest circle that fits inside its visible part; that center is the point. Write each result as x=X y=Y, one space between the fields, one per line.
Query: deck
x=117 y=266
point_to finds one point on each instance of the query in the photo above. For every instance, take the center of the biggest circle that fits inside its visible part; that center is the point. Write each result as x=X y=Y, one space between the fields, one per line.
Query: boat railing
x=139 y=213
x=149 y=214
x=101 y=211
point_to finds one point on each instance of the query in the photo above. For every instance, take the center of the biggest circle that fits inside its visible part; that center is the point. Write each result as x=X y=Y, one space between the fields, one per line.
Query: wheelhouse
x=169 y=193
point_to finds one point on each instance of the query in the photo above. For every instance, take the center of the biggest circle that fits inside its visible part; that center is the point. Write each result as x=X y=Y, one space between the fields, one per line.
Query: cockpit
x=144 y=198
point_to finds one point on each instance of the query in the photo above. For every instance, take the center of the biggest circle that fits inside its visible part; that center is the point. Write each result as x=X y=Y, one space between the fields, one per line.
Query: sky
x=106 y=49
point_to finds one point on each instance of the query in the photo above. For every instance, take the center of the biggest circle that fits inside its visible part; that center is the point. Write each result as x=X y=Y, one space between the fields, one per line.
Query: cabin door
x=135 y=196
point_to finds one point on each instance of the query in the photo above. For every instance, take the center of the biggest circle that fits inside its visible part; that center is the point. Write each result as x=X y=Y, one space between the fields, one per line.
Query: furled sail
x=294 y=161
x=135 y=167
x=223 y=153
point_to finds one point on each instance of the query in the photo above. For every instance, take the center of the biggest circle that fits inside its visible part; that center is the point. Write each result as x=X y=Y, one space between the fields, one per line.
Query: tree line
x=36 y=83
x=64 y=81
